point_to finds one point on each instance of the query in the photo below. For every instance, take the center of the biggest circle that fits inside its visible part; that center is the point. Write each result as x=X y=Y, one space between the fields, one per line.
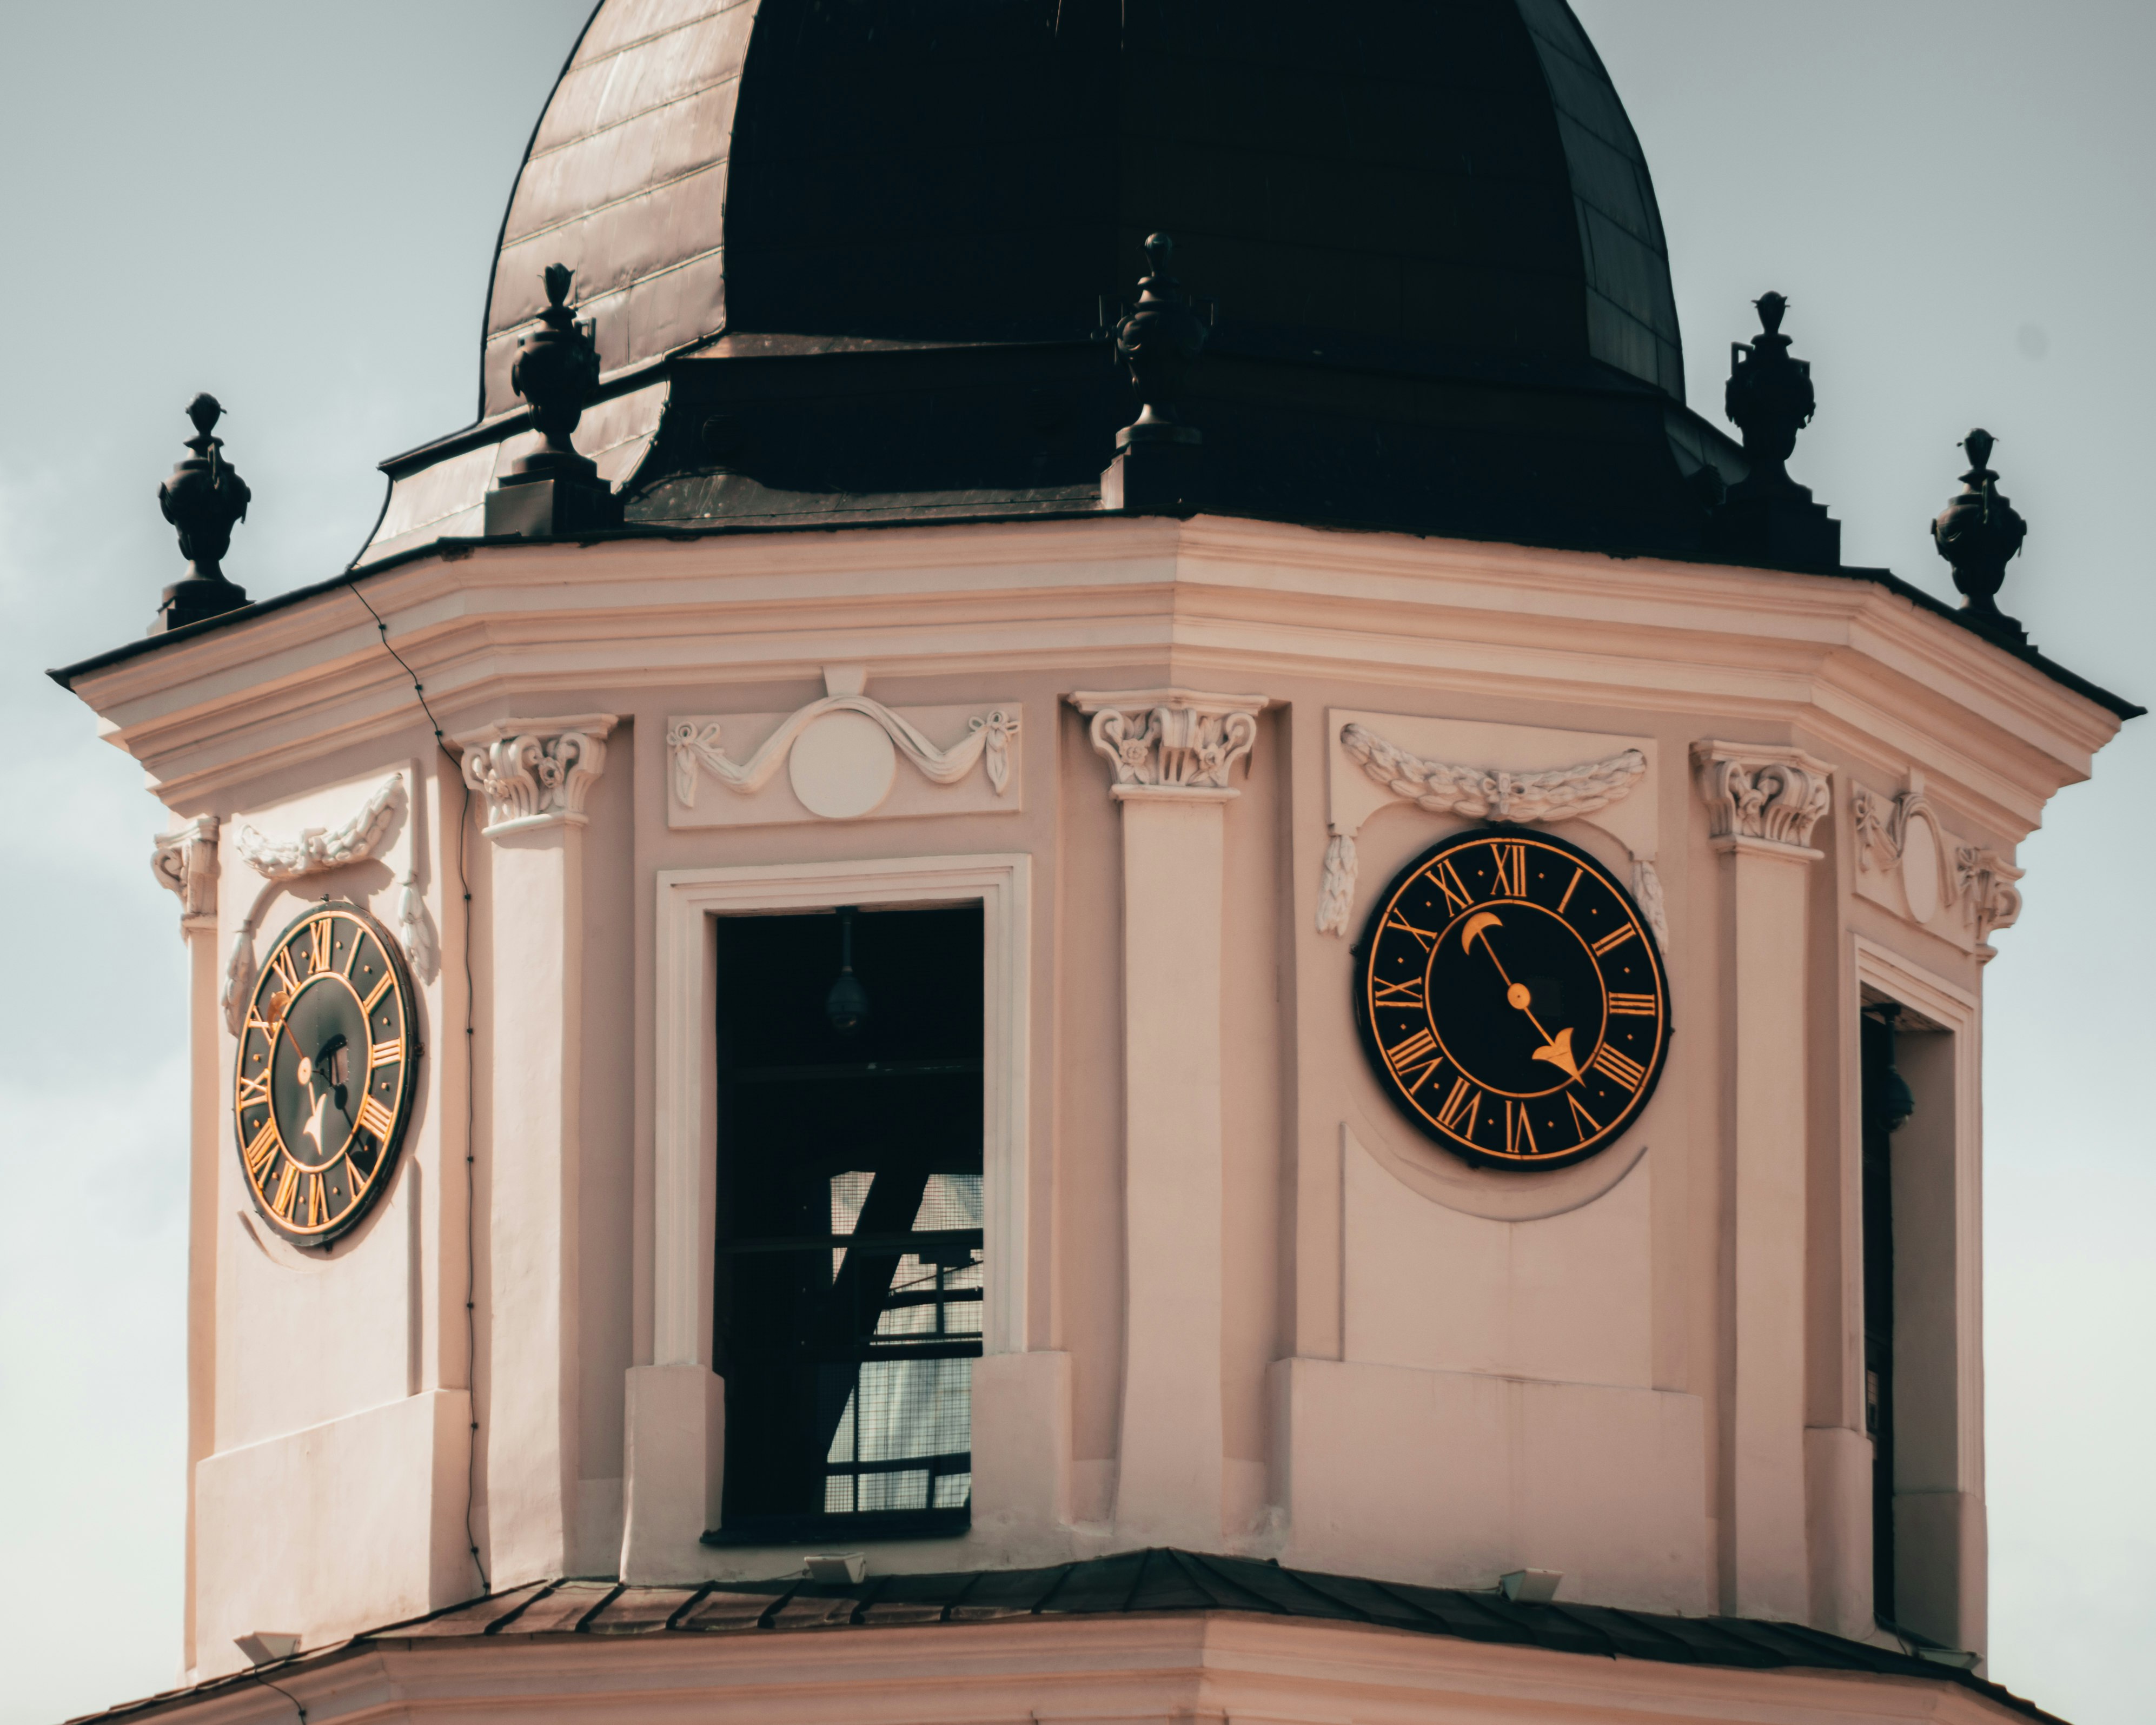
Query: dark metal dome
x=1456 y=176
x=1422 y=233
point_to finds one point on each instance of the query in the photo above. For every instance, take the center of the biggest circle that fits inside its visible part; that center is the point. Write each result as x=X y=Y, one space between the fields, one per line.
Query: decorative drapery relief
x=1761 y=793
x=1482 y=793
x=1904 y=834
x=1172 y=741
x=312 y=851
x=1548 y=795
x=184 y=860
x=536 y=772
x=318 y=847
x=694 y=747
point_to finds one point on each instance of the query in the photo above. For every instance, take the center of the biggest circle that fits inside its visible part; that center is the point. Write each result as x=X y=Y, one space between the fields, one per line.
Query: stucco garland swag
x=1483 y=793
x=695 y=748
x=312 y=851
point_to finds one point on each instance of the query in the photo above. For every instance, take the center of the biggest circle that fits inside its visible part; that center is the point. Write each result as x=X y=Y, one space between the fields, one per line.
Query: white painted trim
x=1958 y=1011
x=681 y=1189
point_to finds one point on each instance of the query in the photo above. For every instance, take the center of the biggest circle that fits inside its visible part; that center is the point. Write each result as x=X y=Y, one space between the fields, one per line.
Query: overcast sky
x=294 y=206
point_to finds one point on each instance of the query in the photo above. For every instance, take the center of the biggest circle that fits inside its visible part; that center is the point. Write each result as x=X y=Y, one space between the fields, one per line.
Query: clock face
x=1513 y=1000
x=325 y=1073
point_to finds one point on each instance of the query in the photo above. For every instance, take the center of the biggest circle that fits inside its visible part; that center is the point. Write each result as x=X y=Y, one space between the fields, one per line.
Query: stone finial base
x=194 y=598
x=550 y=506
x=1153 y=477
x=1783 y=529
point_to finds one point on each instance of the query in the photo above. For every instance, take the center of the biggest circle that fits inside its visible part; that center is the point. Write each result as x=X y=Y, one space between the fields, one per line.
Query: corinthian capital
x=536 y=772
x=1762 y=794
x=1168 y=742
x=184 y=860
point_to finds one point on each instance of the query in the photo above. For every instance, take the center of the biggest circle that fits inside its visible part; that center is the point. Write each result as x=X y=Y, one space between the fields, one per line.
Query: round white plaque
x=842 y=765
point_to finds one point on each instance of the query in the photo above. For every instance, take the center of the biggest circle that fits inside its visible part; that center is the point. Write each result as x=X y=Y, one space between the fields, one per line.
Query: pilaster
x=1172 y=751
x=534 y=775
x=1763 y=802
x=185 y=861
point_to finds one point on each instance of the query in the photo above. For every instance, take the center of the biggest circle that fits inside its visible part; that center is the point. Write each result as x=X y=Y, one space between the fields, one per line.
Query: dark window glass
x=1879 y=1105
x=848 y=1312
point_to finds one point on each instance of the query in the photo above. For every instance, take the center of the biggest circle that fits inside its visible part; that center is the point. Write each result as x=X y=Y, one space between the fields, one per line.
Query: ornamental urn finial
x=204 y=498
x=556 y=370
x=553 y=492
x=1978 y=533
x=1159 y=342
x=1768 y=396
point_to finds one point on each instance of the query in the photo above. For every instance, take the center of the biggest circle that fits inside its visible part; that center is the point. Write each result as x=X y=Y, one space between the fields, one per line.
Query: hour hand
x=1558 y=1053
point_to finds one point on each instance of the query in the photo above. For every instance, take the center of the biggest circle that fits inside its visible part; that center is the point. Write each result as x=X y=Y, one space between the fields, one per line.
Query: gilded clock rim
x=1363 y=951
x=392 y=1138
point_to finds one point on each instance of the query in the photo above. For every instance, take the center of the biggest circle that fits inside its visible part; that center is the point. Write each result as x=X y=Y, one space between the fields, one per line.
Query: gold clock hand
x=1556 y=1049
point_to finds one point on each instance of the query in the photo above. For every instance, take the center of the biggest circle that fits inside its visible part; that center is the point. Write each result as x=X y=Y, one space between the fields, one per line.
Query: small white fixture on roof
x=846 y=1566
x=1532 y=1587
x=267 y=1646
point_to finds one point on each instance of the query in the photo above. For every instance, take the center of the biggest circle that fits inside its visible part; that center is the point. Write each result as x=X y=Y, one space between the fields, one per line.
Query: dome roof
x=1409 y=183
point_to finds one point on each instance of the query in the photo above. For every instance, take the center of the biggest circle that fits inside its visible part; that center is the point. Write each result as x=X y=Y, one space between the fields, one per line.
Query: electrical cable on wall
x=471 y=1259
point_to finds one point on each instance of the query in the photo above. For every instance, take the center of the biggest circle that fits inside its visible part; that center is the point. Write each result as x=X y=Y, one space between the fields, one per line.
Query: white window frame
x=685 y=1096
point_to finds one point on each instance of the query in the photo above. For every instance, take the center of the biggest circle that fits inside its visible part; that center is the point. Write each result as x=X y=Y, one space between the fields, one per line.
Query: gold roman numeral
x=1632 y=1006
x=1394 y=919
x=315 y=1213
x=261 y=1147
x=1623 y=1068
x=1463 y=1101
x=321 y=933
x=1519 y=1131
x=1457 y=898
x=1569 y=886
x=376 y=1119
x=1510 y=863
x=1406 y=993
x=1587 y=1124
x=280 y=961
x=288 y=1190
x=354 y=1181
x=352 y=948
x=252 y=1090
x=385 y=1054
x=376 y=992
x=1419 y=1053
x=1609 y=942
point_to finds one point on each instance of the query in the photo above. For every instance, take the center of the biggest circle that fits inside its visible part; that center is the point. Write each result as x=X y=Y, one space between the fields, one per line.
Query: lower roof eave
x=1639 y=1654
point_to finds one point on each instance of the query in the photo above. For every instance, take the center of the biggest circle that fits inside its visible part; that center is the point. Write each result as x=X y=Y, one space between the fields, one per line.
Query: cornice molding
x=1166 y=743
x=184 y=860
x=536 y=772
x=1218 y=604
x=1761 y=797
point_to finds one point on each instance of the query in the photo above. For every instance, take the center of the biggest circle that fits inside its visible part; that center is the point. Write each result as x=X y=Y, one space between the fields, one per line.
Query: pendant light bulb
x=847 y=1005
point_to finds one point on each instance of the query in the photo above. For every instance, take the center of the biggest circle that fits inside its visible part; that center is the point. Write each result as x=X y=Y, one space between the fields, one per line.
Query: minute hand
x=1556 y=1049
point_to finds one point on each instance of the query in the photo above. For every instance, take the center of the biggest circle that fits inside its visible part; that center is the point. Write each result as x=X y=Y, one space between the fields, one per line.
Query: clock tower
x=1086 y=901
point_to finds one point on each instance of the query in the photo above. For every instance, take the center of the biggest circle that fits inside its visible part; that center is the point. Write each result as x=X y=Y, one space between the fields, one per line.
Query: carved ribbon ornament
x=695 y=749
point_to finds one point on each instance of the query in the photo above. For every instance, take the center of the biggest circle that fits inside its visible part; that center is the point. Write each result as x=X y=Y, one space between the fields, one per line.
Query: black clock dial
x=1512 y=999
x=325 y=1077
